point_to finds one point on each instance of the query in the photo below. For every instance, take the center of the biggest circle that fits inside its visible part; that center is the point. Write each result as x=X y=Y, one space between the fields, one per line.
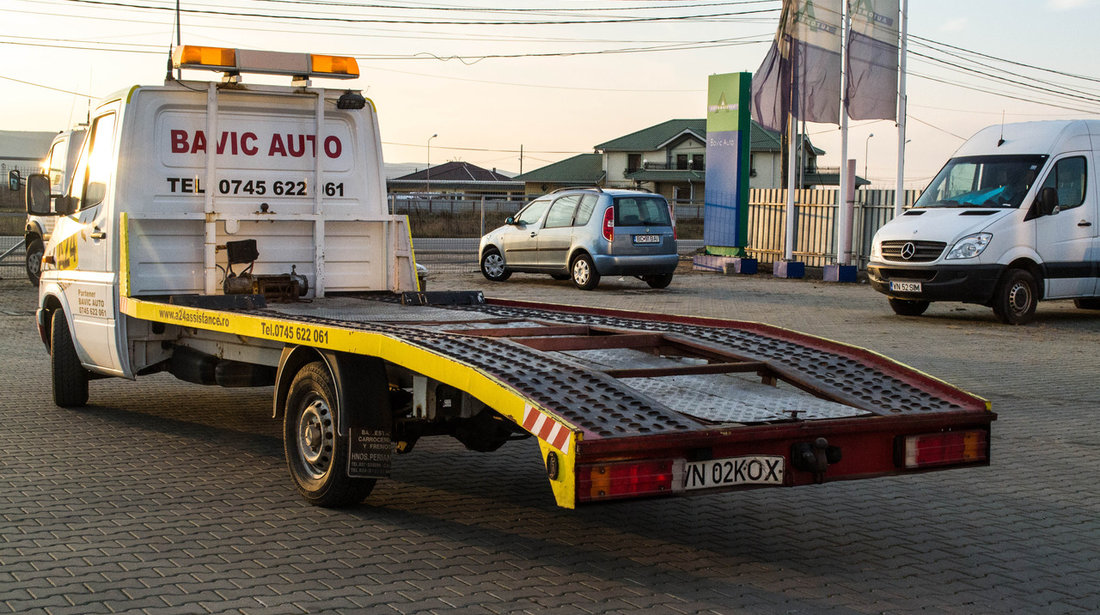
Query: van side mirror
x=509 y=220
x=38 y=195
x=14 y=180
x=1048 y=201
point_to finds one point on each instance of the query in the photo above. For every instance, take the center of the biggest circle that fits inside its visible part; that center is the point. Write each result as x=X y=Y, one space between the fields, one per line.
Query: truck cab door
x=81 y=249
x=1066 y=237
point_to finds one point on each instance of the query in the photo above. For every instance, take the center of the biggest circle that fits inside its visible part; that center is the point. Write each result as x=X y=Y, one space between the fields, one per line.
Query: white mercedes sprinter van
x=1010 y=220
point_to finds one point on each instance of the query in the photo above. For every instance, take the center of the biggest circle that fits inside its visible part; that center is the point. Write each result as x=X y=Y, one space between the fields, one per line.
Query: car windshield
x=982 y=181
x=641 y=211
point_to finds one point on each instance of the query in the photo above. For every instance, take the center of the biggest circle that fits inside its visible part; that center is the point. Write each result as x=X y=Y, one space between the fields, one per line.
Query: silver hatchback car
x=585 y=233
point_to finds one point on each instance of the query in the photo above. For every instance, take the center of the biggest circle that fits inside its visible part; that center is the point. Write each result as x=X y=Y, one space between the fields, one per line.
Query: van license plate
x=905 y=287
x=647 y=239
x=757 y=470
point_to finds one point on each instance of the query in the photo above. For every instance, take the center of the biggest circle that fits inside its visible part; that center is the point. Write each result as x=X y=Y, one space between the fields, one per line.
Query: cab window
x=561 y=212
x=54 y=166
x=532 y=213
x=1068 y=179
x=89 y=186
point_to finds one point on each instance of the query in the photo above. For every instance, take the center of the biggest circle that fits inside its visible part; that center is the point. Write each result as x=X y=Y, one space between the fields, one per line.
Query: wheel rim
x=494 y=265
x=1019 y=298
x=581 y=272
x=34 y=262
x=315 y=435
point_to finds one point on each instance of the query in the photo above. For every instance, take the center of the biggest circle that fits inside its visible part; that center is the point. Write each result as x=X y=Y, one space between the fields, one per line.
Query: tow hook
x=815 y=457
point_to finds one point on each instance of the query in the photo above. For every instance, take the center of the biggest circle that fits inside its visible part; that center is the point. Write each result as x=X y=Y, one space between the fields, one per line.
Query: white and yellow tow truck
x=235 y=234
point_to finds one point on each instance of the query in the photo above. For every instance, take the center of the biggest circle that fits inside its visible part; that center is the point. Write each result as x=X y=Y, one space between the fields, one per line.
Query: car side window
x=54 y=166
x=533 y=212
x=1068 y=179
x=585 y=209
x=94 y=169
x=561 y=212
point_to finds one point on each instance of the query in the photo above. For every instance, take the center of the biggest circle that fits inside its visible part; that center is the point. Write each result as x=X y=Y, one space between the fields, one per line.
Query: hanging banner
x=726 y=211
x=872 y=69
x=802 y=64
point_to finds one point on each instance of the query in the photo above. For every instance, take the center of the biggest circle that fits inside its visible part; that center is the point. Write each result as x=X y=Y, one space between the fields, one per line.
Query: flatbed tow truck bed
x=629 y=404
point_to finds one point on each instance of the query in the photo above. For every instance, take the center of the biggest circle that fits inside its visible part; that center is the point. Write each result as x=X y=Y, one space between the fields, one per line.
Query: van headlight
x=876 y=250
x=969 y=246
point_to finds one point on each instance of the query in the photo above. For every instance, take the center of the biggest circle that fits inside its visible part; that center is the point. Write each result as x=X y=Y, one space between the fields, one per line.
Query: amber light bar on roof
x=264 y=62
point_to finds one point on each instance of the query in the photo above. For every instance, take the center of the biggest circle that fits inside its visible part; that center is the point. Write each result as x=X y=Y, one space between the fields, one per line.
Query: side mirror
x=509 y=220
x=1048 y=201
x=14 y=180
x=38 y=195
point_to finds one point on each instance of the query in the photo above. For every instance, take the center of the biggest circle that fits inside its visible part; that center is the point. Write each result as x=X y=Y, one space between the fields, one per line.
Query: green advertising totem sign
x=726 y=211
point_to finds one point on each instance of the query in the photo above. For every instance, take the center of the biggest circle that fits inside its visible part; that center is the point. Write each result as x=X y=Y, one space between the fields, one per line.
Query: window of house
x=633 y=162
x=682 y=162
x=698 y=162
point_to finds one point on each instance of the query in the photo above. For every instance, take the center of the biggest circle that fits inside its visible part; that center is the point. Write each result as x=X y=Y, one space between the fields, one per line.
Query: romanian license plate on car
x=757 y=470
x=905 y=287
x=647 y=239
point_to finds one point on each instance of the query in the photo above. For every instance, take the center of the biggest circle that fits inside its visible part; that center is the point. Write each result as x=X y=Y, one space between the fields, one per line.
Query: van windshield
x=982 y=181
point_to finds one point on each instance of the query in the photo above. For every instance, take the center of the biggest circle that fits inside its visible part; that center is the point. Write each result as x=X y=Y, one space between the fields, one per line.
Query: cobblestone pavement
x=165 y=497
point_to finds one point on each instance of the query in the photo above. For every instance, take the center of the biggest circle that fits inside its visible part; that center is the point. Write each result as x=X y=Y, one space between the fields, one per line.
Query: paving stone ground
x=166 y=497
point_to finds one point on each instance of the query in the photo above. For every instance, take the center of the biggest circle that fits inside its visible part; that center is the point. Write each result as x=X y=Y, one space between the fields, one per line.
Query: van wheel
x=1087 y=303
x=70 y=379
x=658 y=281
x=492 y=266
x=908 y=307
x=1015 y=298
x=585 y=276
x=316 y=454
x=35 y=250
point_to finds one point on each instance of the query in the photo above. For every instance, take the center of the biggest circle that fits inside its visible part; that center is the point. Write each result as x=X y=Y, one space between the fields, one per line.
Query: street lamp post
x=428 y=170
x=866 y=146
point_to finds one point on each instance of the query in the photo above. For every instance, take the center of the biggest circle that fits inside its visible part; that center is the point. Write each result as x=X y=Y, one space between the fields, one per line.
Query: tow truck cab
x=190 y=169
x=1011 y=219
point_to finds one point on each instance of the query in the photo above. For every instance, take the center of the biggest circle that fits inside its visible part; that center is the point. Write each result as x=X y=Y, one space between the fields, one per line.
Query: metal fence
x=815 y=223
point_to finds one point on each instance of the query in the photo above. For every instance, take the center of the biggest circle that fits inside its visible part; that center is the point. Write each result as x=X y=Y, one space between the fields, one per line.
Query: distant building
x=670 y=159
x=23 y=150
x=456 y=178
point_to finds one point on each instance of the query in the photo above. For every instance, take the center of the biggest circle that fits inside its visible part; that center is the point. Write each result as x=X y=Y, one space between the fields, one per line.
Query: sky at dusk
x=554 y=86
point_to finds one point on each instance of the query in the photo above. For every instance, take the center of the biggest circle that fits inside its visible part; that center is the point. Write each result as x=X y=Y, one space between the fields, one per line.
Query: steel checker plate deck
x=877 y=382
x=719 y=398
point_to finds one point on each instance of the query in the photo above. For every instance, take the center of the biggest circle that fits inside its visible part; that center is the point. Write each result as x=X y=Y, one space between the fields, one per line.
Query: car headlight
x=969 y=246
x=876 y=250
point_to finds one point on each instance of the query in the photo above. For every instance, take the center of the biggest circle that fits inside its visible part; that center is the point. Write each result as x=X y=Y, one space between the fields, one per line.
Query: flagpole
x=842 y=224
x=899 y=197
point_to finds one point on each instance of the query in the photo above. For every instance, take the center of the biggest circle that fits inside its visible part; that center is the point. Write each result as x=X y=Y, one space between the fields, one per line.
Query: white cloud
x=1066 y=5
x=959 y=23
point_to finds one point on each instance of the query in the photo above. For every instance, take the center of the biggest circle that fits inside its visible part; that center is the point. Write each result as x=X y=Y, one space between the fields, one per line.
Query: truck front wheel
x=1015 y=298
x=316 y=453
x=70 y=379
x=908 y=307
x=35 y=250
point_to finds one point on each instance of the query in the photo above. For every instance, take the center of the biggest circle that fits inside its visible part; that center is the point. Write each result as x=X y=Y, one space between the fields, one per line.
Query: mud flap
x=364 y=402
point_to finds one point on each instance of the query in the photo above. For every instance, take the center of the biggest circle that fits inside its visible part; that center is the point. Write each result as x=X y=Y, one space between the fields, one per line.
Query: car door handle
x=533 y=234
x=98 y=234
x=1084 y=223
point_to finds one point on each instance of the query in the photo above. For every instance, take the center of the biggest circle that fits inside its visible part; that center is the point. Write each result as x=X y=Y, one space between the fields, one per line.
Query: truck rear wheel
x=316 y=453
x=908 y=307
x=1015 y=298
x=35 y=250
x=70 y=379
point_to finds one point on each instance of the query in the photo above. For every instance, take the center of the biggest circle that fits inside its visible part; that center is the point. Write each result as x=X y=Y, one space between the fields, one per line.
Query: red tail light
x=608 y=481
x=940 y=449
x=609 y=224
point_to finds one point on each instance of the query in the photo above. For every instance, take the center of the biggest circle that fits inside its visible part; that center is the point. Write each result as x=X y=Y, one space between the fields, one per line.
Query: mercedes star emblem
x=908 y=250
